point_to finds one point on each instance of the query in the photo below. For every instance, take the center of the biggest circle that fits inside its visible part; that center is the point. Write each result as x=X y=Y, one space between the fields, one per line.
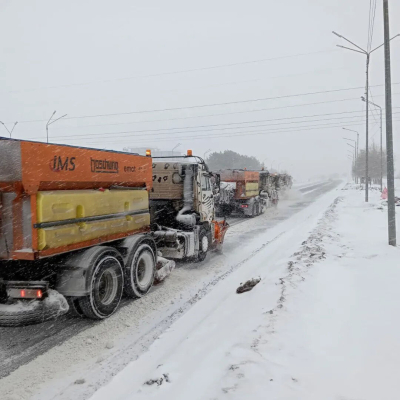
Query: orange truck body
x=30 y=168
x=246 y=182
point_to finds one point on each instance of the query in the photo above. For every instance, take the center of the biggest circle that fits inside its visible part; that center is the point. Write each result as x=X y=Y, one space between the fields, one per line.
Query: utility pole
x=366 y=132
x=52 y=122
x=380 y=109
x=368 y=54
x=389 y=132
x=10 y=132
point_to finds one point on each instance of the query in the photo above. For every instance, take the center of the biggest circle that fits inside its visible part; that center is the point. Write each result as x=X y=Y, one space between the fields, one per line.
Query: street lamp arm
x=348 y=48
x=370 y=102
x=376 y=48
x=347 y=40
x=50 y=118
x=351 y=130
x=351 y=145
x=54 y=120
x=16 y=122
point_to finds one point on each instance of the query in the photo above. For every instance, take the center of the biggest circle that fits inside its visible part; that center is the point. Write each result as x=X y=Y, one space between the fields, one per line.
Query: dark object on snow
x=158 y=381
x=248 y=285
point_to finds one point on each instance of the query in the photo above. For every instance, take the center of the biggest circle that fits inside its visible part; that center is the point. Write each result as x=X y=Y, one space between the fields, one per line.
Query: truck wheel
x=74 y=307
x=140 y=271
x=204 y=244
x=106 y=286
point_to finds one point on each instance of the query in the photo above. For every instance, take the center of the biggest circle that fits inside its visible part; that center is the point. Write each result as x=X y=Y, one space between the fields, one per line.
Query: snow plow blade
x=220 y=228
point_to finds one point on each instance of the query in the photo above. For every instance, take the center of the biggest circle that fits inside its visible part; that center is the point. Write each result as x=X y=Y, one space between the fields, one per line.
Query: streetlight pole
x=172 y=151
x=204 y=155
x=355 y=155
x=358 y=137
x=357 y=150
x=10 y=132
x=368 y=55
x=389 y=133
x=49 y=122
x=380 y=110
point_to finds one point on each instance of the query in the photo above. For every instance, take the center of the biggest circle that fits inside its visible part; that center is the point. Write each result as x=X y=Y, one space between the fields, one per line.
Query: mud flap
x=163 y=268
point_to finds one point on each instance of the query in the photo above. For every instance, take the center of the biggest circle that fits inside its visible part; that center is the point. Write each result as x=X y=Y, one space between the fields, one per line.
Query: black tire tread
x=40 y=313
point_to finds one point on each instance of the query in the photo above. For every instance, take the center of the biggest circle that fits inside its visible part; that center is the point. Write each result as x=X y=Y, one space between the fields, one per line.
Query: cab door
x=207 y=198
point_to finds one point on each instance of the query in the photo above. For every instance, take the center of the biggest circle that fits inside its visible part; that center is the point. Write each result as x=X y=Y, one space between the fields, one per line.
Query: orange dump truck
x=76 y=221
x=239 y=192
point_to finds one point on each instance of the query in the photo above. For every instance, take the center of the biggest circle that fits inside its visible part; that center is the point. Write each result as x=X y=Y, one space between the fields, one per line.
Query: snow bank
x=321 y=324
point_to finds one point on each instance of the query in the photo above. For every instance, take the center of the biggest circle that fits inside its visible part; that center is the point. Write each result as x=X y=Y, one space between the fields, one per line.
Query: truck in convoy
x=269 y=187
x=249 y=193
x=240 y=193
x=182 y=208
x=77 y=222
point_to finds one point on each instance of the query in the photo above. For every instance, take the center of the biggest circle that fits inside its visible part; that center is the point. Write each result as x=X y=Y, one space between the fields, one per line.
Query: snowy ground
x=321 y=324
x=292 y=337
x=44 y=361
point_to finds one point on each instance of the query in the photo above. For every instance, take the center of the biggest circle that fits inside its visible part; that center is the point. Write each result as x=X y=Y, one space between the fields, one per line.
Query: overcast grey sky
x=86 y=58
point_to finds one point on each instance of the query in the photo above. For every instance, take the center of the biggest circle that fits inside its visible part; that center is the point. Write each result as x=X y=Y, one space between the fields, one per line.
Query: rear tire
x=33 y=312
x=106 y=286
x=140 y=271
x=74 y=307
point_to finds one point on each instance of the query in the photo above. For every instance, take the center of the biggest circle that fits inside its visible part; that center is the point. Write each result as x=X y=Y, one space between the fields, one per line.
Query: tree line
x=229 y=159
x=374 y=164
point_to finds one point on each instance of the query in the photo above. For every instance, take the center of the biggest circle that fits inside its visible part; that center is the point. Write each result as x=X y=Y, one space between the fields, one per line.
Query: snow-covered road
x=75 y=357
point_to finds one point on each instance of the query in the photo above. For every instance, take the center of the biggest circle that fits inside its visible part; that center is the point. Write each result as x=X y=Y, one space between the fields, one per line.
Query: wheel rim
x=144 y=270
x=204 y=243
x=108 y=286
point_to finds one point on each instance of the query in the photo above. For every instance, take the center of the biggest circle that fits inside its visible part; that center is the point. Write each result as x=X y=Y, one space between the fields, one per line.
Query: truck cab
x=182 y=207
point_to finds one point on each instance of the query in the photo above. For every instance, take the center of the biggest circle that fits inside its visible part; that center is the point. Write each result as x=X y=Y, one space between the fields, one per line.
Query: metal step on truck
x=77 y=230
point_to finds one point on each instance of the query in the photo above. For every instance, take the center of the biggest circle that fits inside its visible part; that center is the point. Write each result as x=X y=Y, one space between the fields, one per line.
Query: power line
x=219 y=114
x=252 y=80
x=213 y=104
x=156 y=136
x=244 y=133
x=225 y=126
x=374 y=109
x=212 y=115
x=372 y=10
x=174 y=72
x=369 y=24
